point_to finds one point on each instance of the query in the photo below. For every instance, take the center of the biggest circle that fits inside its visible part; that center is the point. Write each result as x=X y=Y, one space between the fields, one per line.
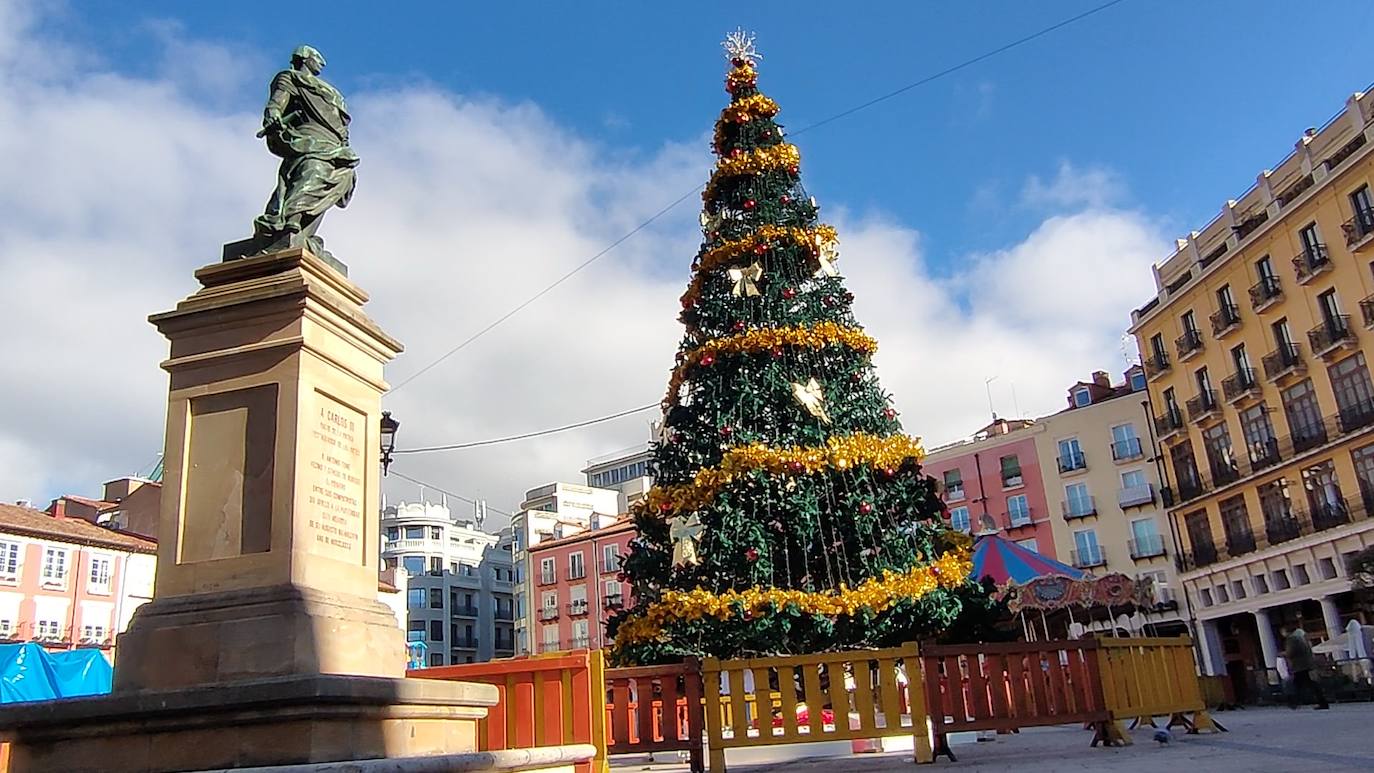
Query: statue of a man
x=306 y=125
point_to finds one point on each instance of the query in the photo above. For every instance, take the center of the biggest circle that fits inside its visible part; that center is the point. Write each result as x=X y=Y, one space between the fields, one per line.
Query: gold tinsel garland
x=743 y=111
x=764 y=235
x=783 y=155
x=838 y=453
x=876 y=594
x=818 y=336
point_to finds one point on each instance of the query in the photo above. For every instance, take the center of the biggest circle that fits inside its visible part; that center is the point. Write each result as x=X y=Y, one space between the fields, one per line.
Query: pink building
x=576 y=587
x=65 y=582
x=993 y=482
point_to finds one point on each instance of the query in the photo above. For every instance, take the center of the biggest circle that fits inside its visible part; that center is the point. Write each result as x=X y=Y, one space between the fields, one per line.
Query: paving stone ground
x=1261 y=740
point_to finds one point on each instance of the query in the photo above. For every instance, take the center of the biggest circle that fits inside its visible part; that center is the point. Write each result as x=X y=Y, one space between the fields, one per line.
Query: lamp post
x=389 y=427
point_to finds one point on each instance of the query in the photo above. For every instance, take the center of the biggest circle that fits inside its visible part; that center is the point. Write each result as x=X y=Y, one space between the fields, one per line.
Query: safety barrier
x=805 y=699
x=548 y=700
x=656 y=709
x=1006 y=687
x=1217 y=691
x=1145 y=678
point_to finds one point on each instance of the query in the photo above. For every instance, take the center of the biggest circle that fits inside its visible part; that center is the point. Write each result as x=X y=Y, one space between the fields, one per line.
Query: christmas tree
x=789 y=513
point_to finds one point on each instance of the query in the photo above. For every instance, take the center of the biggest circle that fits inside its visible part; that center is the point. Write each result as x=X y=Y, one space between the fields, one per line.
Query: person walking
x=1298 y=653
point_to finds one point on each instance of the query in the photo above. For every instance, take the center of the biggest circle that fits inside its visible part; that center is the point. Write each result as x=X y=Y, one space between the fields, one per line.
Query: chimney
x=24 y=502
x=1101 y=378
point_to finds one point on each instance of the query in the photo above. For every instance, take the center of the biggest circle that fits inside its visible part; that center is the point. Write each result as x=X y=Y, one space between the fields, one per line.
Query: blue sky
x=503 y=144
x=1184 y=101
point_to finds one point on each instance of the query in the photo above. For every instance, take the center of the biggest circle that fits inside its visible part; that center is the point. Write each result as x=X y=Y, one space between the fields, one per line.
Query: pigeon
x=1163 y=737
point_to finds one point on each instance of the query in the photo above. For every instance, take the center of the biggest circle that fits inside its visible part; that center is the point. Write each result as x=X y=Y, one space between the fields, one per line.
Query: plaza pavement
x=1262 y=740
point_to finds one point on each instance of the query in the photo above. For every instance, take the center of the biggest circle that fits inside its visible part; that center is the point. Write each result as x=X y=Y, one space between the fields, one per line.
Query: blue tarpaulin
x=30 y=673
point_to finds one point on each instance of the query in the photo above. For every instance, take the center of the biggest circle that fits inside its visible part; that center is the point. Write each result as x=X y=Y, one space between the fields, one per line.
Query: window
x=1264 y=268
x=580 y=634
x=1241 y=359
x=415 y=532
x=1311 y=242
x=436 y=566
x=611 y=591
x=1137 y=381
x=1327 y=567
x=436 y=659
x=1189 y=321
x=958 y=519
x=1324 y=495
x=610 y=558
x=1125 y=442
x=1077 y=501
x=1261 y=584
x=1158 y=353
x=1200 y=536
x=1134 y=479
x=550 y=599
x=1260 y=443
x=1362 y=204
x=1070 y=455
x=436 y=532
x=954 y=485
x=1331 y=311
x=1364 y=471
x=576 y=569
x=1204 y=382
x=9 y=560
x=1206 y=597
x=1281 y=580
x=1011 y=471
x=1082 y=398
x=1018 y=509
x=392 y=533
x=54 y=566
x=1354 y=392
x=1029 y=544
x=1185 y=470
x=1235 y=522
x=1304 y=416
x=1221 y=457
x=548 y=572
x=1222 y=595
x=415 y=598
x=1145 y=539
x=93 y=633
x=1300 y=575
x=1238 y=589
x=1086 y=550
x=1226 y=303
x=49 y=630
x=1283 y=336
x=549 y=633
x=100 y=574
x=577 y=603
x=436 y=598
x=436 y=630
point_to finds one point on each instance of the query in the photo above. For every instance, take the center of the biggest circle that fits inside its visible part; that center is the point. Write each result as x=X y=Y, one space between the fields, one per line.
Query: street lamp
x=389 y=427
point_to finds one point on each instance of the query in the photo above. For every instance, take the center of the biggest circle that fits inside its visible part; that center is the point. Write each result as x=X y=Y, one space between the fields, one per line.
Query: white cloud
x=1074 y=188
x=465 y=207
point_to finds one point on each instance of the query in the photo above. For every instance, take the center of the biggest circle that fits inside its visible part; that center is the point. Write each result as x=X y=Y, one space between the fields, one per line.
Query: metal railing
x=1224 y=471
x=1080 y=507
x=1203 y=404
x=1146 y=547
x=1282 y=361
x=1367 y=310
x=954 y=494
x=1019 y=520
x=1310 y=262
x=1225 y=319
x=1156 y=364
x=548 y=613
x=578 y=608
x=1188 y=343
x=1358 y=227
x=1169 y=422
x=1125 y=450
x=577 y=572
x=1198 y=555
x=1240 y=542
x=1075 y=460
x=1136 y=496
x=1085 y=558
x=1239 y=384
x=1264 y=292
x=615 y=601
x=465 y=611
x=1330 y=334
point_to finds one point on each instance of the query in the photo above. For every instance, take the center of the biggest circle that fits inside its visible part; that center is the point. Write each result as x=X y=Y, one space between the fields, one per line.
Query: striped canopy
x=1007 y=562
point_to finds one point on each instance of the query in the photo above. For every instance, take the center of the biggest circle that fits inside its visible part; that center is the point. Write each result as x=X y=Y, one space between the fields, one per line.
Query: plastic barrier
x=656 y=709
x=1145 y=678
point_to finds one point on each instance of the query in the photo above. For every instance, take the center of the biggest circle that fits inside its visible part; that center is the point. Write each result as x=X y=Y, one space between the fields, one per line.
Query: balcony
x=577 y=608
x=1151 y=546
x=1284 y=361
x=1282 y=527
x=548 y=613
x=1088 y=557
x=615 y=601
x=1367 y=312
x=1311 y=262
x=1012 y=481
x=1240 y=543
x=1204 y=406
x=1331 y=336
x=1264 y=454
x=1329 y=515
x=577 y=572
x=548 y=578
x=1225 y=472
x=1136 y=496
x=465 y=611
x=1242 y=384
x=1156 y=365
x=1308 y=437
x=1189 y=344
x=1019 y=520
x=1202 y=554
x=1266 y=292
x=1168 y=423
x=1073 y=462
x=1355 y=416
x=505 y=615
x=954 y=493
x=1225 y=321
x=1080 y=507
x=465 y=643
x=1359 y=230
x=579 y=643
x=1190 y=487
x=1127 y=450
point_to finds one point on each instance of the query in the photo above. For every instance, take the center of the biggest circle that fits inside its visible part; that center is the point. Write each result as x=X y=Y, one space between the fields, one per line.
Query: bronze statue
x=306 y=125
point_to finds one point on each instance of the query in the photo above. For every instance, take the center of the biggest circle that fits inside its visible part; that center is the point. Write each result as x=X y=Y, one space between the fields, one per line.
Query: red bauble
x=789 y=293
x=664 y=507
x=736 y=152
x=727 y=430
x=708 y=359
x=738 y=61
x=777 y=352
x=786 y=199
x=849 y=297
x=795 y=170
x=759 y=249
x=795 y=466
x=739 y=326
x=750 y=203
x=890 y=413
x=752 y=554
x=865 y=508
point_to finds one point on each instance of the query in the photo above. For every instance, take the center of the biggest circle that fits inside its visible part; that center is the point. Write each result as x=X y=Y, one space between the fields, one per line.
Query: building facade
x=993 y=482
x=1256 y=348
x=626 y=472
x=459 y=583
x=1098 y=453
x=67 y=583
x=577 y=585
x=550 y=512
x=127 y=504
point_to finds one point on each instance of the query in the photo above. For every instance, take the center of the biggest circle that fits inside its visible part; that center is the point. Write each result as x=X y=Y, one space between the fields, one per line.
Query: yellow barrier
x=1145 y=678
x=767 y=713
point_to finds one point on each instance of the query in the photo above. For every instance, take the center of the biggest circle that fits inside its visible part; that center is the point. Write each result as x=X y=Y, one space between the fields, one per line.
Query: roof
x=590 y=534
x=98 y=504
x=29 y=522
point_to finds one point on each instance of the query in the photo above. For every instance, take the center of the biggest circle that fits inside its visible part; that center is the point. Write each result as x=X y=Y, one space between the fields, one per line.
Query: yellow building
x=1255 y=348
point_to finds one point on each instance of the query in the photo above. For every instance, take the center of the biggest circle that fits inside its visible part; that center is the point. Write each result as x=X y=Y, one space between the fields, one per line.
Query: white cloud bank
x=117 y=187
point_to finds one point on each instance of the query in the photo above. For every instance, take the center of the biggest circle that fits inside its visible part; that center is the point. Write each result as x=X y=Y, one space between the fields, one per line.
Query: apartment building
x=578 y=586
x=549 y=512
x=1256 y=351
x=127 y=504
x=625 y=472
x=459 y=583
x=1098 y=453
x=66 y=583
x=993 y=482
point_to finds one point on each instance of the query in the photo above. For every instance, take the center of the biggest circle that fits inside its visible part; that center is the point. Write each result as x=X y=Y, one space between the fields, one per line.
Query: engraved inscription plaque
x=334 y=477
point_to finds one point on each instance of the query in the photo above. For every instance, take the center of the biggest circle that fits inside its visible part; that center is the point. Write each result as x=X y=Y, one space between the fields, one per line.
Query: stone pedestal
x=265 y=643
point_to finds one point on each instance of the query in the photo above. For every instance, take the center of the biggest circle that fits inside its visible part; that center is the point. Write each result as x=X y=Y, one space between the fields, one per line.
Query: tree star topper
x=812 y=398
x=685 y=532
x=740 y=45
x=746 y=280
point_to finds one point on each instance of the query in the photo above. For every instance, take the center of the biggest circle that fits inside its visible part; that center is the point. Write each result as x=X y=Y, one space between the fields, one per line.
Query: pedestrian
x=1298 y=653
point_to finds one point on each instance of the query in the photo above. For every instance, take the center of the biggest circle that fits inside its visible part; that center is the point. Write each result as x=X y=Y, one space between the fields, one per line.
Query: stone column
x=1268 y=642
x=1209 y=637
x=1331 y=615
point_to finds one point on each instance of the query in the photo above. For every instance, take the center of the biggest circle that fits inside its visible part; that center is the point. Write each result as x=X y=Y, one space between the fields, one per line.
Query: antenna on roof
x=987 y=386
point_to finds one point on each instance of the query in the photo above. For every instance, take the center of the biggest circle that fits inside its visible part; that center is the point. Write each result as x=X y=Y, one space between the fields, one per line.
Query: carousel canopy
x=1009 y=563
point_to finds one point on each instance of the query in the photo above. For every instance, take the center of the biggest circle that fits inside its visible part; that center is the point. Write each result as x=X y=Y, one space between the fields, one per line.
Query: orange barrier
x=656 y=709
x=550 y=700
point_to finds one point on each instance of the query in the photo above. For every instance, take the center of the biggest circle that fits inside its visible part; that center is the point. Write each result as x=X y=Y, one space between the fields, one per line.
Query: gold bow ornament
x=685 y=531
x=746 y=280
x=812 y=398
